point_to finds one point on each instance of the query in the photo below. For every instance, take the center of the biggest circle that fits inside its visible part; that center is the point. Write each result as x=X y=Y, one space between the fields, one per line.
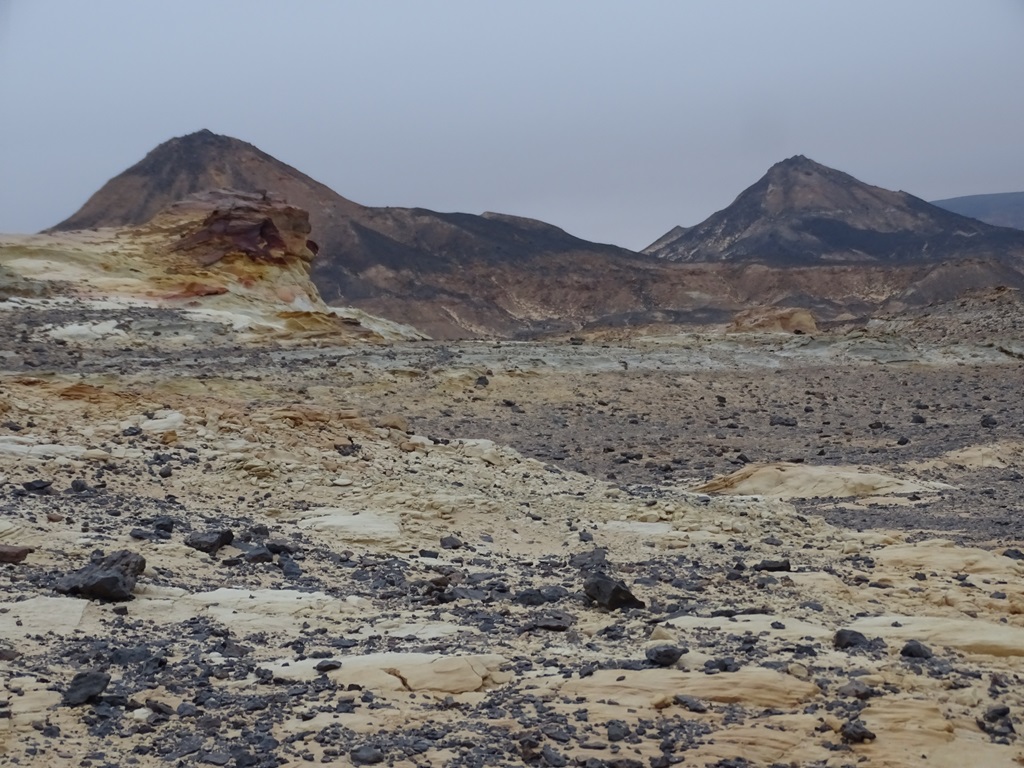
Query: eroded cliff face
x=237 y=260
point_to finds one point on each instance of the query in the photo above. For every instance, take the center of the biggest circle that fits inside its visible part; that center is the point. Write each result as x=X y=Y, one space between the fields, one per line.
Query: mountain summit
x=198 y=162
x=802 y=213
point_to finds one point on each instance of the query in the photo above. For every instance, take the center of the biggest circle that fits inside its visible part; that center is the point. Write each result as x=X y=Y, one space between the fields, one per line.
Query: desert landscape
x=672 y=521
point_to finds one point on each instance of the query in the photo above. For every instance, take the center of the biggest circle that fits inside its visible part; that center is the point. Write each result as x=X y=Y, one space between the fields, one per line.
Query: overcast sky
x=613 y=120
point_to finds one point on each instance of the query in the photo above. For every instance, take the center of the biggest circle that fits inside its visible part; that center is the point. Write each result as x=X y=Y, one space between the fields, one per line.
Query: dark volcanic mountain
x=1004 y=209
x=450 y=274
x=802 y=213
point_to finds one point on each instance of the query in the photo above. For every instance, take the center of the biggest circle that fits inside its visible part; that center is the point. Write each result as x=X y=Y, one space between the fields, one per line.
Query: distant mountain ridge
x=434 y=270
x=802 y=213
x=1002 y=209
x=803 y=236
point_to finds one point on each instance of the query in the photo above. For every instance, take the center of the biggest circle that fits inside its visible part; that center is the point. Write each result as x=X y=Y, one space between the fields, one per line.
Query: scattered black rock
x=327 y=665
x=14 y=554
x=209 y=541
x=773 y=565
x=781 y=421
x=915 y=649
x=691 y=703
x=85 y=687
x=553 y=621
x=850 y=638
x=610 y=593
x=366 y=755
x=855 y=732
x=664 y=655
x=37 y=486
x=451 y=542
x=105 y=578
x=856 y=689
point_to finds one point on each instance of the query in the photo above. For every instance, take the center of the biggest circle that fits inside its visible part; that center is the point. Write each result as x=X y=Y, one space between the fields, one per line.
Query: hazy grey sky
x=614 y=120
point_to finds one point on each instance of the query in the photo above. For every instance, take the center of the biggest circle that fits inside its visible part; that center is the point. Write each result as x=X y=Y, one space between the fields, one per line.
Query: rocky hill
x=1004 y=209
x=802 y=213
x=451 y=274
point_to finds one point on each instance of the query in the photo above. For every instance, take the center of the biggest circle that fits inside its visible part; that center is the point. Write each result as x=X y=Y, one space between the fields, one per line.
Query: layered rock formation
x=235 y=260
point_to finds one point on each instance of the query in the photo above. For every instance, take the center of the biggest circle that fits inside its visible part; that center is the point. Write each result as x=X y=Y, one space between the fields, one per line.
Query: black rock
x=366 y=756
x=855 y=732
x=856 y=689
x=773 y=565
x=85 y=687
x=289 y=568
x=215 y=758
x=327 y=665
x=530 y=597
x=610 y=593
x=594 y=559
x=553 y=621
x=617 y=730
x=165 y=471
x=988 y=422
x=552 y=757
x=106 y=578
x=451 y=542
x=849 y=638
x=259 y=554
x=691 y=703
x=996 y=712
x=37 y=486
x=915 y=649
x=78 y=485
x=1013 y=554
x=664 y=655
x=209 y=541
x=781 y=421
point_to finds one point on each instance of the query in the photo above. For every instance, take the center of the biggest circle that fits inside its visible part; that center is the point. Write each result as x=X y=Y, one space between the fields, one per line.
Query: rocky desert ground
x=240 y=528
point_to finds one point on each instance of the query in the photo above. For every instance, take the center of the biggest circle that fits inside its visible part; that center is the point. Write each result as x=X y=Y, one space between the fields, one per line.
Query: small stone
x=664 y=655
x=327 y=665
x=856 y=689
x=105 y=578
x=37 y=486
x=78 y=485
x=209 y=541
x=988 y=422
x=855 y=732
x=165 y=471
x=690 y=703
x=259 y=554
x=849 y=638
x=451 y=542
x=14 y=554
x=610 y=593
x=773 y=565
x=366 y=756
x=617 y=730
x=84 y=687
x=915 y=649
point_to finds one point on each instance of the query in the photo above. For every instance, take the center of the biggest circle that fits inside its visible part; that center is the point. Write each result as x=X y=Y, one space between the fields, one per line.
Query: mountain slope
x=438 y=271
x=1004 y=209
x=804 y=213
